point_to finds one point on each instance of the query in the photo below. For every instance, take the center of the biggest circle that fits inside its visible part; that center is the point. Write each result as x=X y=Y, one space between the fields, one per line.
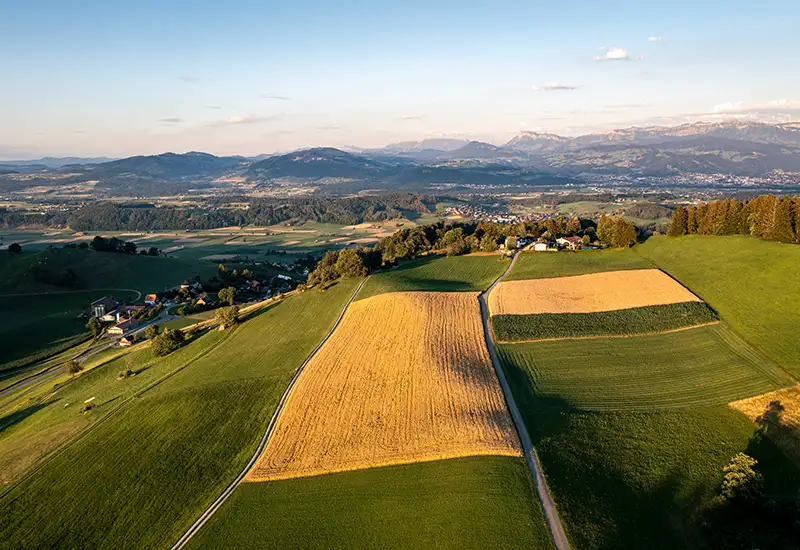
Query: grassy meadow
x=752 y=284
x=142 y=475
x=471 y=273
x=474 y=502
x=539 y=265
x=633 y=432
x=700 y=366
x=638 y=320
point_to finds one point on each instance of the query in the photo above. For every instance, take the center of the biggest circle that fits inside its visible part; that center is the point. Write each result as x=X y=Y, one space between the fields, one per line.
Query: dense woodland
x=767 y=217
x=109 y=216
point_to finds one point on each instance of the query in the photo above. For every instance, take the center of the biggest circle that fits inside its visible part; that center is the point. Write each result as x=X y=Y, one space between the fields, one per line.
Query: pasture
x=589 y=293
x=701 y=366
x=632 y=480
x=620 y=322
x=538 y=265
x=752 y=284
x=139 y=477
x=473 y=502
x=405 y=378
x=471 y=273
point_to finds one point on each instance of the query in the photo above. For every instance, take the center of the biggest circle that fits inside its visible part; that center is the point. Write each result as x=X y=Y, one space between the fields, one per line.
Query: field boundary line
x=217 y=504
x=531 y=457
x=89 y=429
x=614 y=336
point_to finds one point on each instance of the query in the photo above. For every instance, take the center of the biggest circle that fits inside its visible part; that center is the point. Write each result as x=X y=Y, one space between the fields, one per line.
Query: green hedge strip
x=637 y=320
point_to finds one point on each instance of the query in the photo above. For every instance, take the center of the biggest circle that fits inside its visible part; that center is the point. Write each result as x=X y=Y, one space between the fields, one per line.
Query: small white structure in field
x=541 y=247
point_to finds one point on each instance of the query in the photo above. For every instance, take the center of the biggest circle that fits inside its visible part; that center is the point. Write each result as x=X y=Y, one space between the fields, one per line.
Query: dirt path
x=203 y=519
x=548 y=506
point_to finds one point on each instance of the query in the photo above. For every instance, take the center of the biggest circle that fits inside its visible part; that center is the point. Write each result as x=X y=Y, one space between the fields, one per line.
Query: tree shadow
x=18 y=416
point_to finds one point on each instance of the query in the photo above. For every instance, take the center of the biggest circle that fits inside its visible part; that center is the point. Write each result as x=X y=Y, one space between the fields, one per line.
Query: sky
x=91 y=78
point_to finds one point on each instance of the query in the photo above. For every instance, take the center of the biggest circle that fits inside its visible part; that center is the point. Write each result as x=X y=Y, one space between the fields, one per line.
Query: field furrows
x=672 y=370
x=405 y=378
x=594 y=292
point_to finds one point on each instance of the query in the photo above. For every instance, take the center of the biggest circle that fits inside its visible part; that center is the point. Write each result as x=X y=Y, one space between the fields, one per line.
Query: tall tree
x=678 y=224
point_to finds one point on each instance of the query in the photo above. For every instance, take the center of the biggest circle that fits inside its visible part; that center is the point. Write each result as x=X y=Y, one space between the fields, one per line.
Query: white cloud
x=277 y=97
x=655 y=38
x=243 y=119
x=553 y=87
x=170 y=121
x=412 y=117
x=615 y=54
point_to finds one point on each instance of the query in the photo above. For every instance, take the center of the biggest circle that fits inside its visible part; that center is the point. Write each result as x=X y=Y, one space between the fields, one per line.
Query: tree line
x=110 y=216
x=767 y=217
x=455 y=239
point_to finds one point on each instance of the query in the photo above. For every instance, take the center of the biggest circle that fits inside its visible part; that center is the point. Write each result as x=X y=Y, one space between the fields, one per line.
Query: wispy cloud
x=616 y=54
x=655 y=38
x=622 y=106
x=276 y=97
x=741 y=107
x=170 y=121
x=553 y=87
x=412 y=117
x=189 y=79
x=329 y=127
x=243 y=119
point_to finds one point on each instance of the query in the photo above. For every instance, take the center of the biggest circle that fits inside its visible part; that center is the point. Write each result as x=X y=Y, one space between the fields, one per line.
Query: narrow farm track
x=203 y=519
x=548 y=506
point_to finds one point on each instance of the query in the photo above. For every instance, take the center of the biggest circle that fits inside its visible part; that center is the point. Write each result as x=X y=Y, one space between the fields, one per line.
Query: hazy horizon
x=92 y=79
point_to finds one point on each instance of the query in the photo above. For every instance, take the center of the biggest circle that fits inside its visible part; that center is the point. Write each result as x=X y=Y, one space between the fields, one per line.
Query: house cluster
x=123 y=318
x=564 y=243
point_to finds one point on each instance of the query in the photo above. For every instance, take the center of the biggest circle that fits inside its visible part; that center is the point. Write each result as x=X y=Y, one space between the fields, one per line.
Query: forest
x=767 y=217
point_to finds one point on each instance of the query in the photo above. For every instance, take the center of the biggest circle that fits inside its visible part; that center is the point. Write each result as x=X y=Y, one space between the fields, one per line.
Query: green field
x=632 y=480
x=539 y=265
x=752 y=284
x=476 y=502
x=472 y=273
x=700 y=366
x=638 y=320
x=638 y=466
x=142 y=475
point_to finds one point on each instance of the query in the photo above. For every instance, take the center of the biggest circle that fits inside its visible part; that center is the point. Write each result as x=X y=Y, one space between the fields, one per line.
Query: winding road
x=203 y=519
x=548 y=506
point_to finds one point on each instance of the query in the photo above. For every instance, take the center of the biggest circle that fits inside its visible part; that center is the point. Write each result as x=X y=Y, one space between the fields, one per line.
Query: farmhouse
x=126 y=341
x=104 y=305
x=122 y=327
x=572 y=243
x=543 y=246
x=150 y=299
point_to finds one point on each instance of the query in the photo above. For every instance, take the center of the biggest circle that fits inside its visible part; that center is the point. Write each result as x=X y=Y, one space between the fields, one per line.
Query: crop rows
x=639 y=320
x=406 y=377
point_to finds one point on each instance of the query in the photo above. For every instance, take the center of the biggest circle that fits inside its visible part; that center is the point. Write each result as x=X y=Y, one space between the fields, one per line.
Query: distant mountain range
x=529 y=159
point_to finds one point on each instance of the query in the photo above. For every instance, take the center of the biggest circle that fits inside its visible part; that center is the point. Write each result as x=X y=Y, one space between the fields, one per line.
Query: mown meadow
x=139 y=477
x=633 y=432
x=471 y=273
x=474 y=502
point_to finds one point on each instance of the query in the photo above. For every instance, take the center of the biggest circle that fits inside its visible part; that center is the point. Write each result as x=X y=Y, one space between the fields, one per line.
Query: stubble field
x=405 y=378
x=588 y=293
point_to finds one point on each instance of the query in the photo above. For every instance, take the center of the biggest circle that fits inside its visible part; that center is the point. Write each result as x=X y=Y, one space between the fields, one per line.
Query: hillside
x=322 y=162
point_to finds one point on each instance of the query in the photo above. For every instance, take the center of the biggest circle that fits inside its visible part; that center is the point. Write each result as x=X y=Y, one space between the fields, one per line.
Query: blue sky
x=241 y=77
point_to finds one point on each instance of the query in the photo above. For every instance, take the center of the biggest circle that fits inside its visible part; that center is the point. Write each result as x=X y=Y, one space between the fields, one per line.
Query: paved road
x=548 y=506
x=203 y=519
x=35 y=380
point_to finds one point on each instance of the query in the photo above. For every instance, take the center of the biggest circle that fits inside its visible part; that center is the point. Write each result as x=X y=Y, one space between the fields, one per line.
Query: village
x=192 y=300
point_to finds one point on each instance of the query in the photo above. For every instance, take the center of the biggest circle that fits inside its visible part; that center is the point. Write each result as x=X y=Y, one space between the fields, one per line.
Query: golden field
x=405 y=378
x=783 y=428
x=588 y=293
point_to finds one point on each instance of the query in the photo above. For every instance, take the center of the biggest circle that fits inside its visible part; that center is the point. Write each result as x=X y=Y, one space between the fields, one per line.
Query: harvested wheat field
x=780 y=411
x=595 y=292
x=405 y=378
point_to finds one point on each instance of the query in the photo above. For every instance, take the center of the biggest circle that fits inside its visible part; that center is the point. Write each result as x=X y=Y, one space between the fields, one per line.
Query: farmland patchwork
x=405 y=378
